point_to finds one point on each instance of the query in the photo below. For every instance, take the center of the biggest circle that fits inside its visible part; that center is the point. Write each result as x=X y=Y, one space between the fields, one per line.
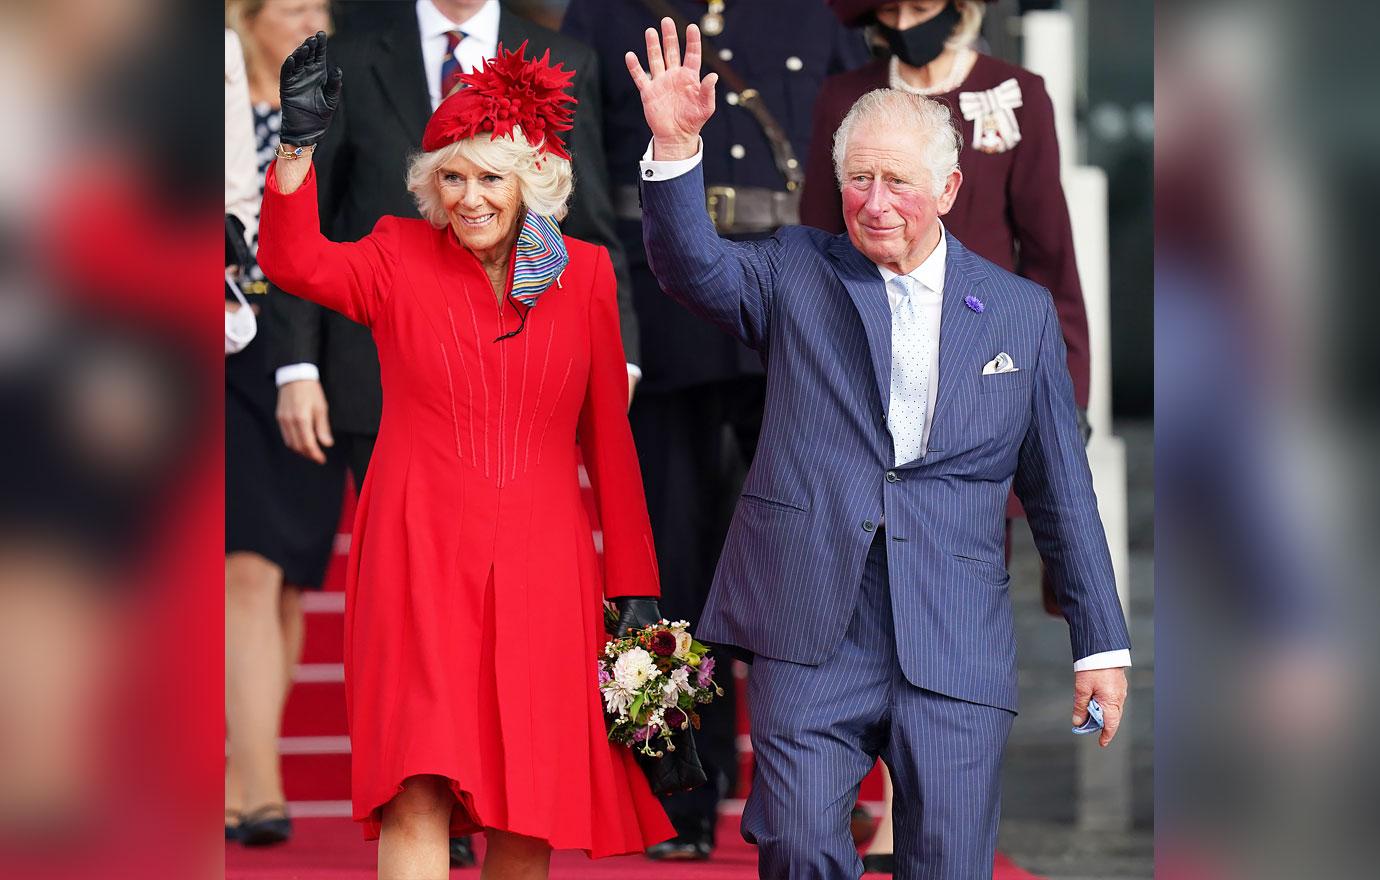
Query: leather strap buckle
x=719 y=200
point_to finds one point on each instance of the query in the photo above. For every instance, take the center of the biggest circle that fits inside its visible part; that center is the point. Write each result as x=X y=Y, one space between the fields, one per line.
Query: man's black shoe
x=680 y=849
x=694 y=842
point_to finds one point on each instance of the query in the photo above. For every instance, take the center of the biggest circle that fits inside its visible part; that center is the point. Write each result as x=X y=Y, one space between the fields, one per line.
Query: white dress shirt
x=929 y=278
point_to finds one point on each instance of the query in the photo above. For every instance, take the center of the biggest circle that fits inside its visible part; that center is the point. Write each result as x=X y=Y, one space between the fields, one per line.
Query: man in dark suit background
x=396 y=59
x=393 y=57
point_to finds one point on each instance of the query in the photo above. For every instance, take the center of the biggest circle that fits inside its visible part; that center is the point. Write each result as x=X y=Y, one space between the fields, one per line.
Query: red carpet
x=316 y=775
x=331 y=849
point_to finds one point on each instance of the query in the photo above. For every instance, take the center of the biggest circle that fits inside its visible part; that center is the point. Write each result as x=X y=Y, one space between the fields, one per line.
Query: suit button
x=737 y=151
x=868 y=526
x=891 y=477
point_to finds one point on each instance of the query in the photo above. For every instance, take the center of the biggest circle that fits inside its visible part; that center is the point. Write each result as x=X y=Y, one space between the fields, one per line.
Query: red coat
x=1011 y=206
x=473 y=612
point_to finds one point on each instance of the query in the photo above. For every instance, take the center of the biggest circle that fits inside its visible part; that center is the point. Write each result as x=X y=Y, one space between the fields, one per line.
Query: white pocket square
x=1002 y=363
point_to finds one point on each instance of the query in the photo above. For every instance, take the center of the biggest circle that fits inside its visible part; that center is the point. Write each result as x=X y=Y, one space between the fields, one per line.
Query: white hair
x=937 y=141
x=544 y=180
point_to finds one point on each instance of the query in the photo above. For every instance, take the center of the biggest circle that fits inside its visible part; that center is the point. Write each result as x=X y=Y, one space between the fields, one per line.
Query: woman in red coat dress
x=473 y=614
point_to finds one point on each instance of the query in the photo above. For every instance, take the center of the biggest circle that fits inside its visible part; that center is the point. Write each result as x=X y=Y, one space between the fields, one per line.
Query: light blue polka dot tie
x=911 y=347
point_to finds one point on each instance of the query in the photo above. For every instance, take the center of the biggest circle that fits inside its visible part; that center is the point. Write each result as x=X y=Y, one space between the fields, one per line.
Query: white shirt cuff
x=666 y=170
x=296 y=373
x=1104 y=660
x=635 y=371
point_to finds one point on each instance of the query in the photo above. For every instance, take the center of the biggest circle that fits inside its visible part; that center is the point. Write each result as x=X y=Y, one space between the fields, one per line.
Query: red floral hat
x=507 y=91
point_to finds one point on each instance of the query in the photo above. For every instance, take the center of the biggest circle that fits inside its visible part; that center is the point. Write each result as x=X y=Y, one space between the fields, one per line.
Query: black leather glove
x=674 y=771
x=1084 y=426
x=237 y=253
x=635 y=612
x=309 y=92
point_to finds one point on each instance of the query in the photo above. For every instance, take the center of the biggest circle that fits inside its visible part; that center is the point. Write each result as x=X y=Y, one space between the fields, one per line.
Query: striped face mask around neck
x=538 y=262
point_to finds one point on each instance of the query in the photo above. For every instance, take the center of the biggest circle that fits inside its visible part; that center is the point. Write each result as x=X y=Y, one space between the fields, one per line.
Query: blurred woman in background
x=281 y=510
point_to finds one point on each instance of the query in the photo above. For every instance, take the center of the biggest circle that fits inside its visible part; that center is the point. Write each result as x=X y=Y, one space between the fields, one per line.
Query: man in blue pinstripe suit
x=909 y=383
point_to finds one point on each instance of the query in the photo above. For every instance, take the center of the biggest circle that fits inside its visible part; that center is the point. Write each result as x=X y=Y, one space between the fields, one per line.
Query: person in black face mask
x=921 y=43
x=1011 y=207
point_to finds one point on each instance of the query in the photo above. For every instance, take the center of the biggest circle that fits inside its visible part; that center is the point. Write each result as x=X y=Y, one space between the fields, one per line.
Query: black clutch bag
x=675 y=771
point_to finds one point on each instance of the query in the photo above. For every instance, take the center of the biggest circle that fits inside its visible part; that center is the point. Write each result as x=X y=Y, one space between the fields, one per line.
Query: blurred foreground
x=110 y=511
x=1266 y=425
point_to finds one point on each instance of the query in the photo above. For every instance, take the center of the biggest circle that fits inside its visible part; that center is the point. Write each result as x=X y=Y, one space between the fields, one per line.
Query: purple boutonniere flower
x=974 y=303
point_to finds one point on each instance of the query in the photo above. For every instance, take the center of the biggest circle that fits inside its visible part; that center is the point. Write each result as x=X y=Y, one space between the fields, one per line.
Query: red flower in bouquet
x=663 y=643
x=675 y=719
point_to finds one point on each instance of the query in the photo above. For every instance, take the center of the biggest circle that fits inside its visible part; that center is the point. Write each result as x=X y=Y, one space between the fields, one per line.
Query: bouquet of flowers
x=652 y=680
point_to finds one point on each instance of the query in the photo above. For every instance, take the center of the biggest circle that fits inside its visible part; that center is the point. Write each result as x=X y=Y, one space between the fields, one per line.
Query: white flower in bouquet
x=670 y=692
x=681 y=679
x=616 y=700
x=683 y=642
x=632 y=670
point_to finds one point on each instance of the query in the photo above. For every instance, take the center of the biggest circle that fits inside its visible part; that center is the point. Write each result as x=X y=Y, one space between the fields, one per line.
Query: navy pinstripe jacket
x=816 y=310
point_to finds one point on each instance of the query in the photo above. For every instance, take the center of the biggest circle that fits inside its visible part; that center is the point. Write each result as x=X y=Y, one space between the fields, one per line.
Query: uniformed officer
x=699 y=404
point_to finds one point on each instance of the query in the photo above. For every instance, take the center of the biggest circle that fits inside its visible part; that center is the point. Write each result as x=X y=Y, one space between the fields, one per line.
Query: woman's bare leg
x=415 y=834
x=293 y=622
x=511 y=856
x=254 y=685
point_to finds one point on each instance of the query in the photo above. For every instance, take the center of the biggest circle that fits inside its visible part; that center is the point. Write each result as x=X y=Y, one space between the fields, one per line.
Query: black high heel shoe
x=265 y=826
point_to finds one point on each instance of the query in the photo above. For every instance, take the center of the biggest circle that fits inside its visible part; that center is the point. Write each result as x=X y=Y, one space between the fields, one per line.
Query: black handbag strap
x=783 y=155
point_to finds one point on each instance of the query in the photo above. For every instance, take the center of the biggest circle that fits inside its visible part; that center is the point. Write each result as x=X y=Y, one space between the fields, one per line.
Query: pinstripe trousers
x=817 y=731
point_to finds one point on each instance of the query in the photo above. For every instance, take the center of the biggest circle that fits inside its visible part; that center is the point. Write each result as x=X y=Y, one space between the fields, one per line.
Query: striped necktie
x=911 y=347
x=450 y=64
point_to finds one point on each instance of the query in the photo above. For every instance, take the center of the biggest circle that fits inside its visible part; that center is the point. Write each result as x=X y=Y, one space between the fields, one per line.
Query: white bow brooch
x=993 y=116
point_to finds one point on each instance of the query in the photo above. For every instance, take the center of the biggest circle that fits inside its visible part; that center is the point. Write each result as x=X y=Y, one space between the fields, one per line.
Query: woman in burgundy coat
x=1011 y=206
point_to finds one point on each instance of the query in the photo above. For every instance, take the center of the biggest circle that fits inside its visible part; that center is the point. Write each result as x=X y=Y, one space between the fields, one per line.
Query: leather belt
x=735 y=210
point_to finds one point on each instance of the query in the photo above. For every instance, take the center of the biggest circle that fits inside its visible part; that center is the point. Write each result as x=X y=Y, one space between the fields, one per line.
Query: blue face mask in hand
x=1094 y=722
x=922 y=43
